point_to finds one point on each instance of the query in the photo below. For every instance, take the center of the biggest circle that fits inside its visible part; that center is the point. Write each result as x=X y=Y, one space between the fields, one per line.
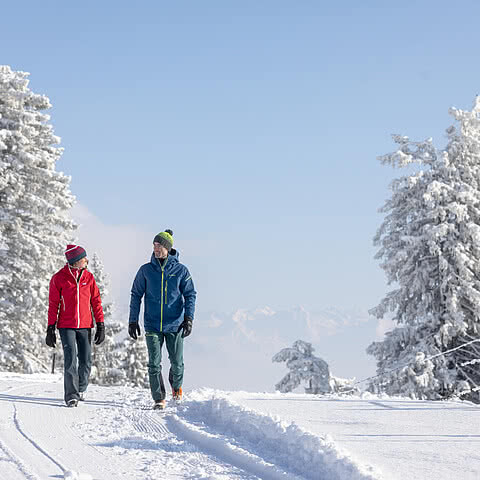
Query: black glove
x=51 y=338
x=186 y=325
x=99 y=334
x=134 y=330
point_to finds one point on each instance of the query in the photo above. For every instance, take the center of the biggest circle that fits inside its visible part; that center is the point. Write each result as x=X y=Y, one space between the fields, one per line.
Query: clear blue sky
x=250 y=128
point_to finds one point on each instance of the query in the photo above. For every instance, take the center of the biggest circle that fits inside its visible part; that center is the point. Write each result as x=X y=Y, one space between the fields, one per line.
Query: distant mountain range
x=243 y=343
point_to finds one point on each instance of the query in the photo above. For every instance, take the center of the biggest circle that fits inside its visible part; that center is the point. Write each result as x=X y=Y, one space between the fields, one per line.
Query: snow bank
x=209 y=414
x=223 y=449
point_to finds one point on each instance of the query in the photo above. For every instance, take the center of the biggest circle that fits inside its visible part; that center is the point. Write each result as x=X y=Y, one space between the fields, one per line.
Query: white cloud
x=122 y=249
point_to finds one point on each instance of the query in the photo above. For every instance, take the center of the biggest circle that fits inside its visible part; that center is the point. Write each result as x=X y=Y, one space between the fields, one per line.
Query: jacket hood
x=67 y=269
x=172 y=258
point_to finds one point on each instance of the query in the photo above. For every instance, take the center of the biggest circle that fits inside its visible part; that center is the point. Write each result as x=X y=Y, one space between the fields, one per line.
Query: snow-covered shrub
x=305 y=368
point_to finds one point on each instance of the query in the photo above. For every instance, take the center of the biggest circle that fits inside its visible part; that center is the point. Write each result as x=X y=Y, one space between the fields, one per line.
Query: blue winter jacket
x=169 y=294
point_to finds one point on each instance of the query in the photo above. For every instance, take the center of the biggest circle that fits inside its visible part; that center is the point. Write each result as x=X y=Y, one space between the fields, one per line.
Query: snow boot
x=72 y=403
x=159 y=405
x=177 y=394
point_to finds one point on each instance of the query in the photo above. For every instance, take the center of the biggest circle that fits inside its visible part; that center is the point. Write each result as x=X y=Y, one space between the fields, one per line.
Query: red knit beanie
x=74 y=253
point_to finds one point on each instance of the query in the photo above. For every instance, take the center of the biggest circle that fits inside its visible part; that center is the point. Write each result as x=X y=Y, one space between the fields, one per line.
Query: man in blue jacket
x=168 y=313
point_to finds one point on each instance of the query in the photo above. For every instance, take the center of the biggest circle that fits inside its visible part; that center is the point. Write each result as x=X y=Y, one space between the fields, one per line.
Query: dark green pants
x=174 y=342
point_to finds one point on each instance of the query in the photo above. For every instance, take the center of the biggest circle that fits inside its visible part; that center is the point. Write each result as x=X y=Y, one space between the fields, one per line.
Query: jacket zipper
x=161 y=306
x=161 y=287
x=78 y=300
x=78 y=295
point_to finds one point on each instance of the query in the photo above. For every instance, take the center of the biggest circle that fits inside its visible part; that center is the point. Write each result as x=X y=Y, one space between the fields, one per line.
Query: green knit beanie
x=165 y=239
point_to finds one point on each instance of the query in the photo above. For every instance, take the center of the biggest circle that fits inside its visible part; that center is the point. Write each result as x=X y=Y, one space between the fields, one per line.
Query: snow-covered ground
x=230 y=435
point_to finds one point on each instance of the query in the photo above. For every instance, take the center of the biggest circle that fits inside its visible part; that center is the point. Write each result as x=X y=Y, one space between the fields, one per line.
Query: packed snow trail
x=115 y=435
x=107 y=436
x=37 y=432
x=216 y=435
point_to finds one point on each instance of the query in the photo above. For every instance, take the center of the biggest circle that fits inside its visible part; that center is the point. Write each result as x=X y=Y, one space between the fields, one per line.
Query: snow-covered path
x=230 y=435
x=108 y=436
x=39 y=439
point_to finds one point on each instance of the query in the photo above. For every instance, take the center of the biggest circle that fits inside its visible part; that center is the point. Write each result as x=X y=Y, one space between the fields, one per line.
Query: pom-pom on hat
x=165 y=239
x=74 y=253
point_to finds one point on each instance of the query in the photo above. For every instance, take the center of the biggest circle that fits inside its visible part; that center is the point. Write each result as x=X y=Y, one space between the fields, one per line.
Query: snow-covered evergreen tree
x=430 y=250
x=34 y=224
x=135 y=365
x=305 y=368
x=96 y=267
x=108 y=357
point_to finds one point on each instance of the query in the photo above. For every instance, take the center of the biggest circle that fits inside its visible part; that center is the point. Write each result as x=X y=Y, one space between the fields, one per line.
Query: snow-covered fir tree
x=305 y=369
x=135 y=366
x=429 y=245
x=108 y=357
x=96 y=267
x=34 y=223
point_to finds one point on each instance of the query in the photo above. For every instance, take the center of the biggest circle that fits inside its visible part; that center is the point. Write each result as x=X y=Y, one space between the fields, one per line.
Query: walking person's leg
x=174 y=342
x=84 y=345
x=70 y=371
x=154 y=346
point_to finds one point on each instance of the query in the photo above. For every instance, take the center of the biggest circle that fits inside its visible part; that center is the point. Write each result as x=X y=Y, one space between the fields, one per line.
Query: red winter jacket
x=72 y=302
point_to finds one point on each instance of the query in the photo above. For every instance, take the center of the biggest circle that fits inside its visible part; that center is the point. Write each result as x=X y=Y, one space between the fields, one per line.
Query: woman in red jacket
x=73 y=296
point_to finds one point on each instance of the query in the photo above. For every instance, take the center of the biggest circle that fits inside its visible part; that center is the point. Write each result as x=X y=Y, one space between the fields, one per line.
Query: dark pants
x=174 y=342
x=76 y=343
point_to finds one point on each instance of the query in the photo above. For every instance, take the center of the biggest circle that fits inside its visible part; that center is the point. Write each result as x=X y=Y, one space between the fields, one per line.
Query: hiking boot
x=159 y=405
x=177 y=394
x=82 y=396
x=72 y=403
